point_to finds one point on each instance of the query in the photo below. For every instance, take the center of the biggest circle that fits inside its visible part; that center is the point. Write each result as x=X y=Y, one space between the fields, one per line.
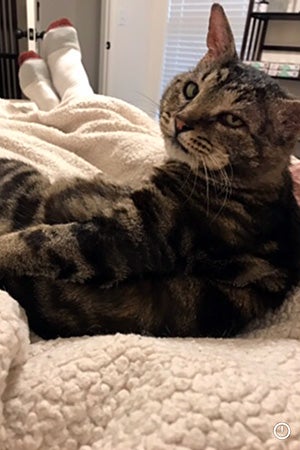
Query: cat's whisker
x=186 y=180
x=226 y=187
x=207 y=184
x=226 y=196
x=231 y=175
x=195 y=182
x=215 y=174
x=225 y=181
x=228 y=180
x=196 y=173
x=212 y=179
x=153 y=103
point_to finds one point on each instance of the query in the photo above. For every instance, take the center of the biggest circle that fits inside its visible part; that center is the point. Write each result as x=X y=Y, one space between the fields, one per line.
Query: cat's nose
x=181 y=125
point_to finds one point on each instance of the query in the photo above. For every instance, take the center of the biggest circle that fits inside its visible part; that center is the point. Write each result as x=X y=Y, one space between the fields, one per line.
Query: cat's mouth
x=190 y=146
x=180 y=129
x=180 y=146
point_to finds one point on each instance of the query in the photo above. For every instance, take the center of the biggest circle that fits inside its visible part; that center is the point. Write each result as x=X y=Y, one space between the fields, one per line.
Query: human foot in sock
x=35 y=81
x=62 y=53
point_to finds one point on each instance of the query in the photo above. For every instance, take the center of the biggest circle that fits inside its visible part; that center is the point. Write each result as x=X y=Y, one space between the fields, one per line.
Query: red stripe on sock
x=27 y=55
x=60 y=23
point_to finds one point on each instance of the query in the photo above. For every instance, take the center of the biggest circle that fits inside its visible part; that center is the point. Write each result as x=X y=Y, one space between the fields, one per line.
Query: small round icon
x=282 y=430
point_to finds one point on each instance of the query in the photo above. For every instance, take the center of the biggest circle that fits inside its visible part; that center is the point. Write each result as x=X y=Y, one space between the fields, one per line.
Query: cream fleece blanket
x=130 y=392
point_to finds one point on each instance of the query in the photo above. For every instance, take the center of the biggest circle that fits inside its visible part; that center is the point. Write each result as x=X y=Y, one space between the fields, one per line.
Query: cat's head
x=227 y=114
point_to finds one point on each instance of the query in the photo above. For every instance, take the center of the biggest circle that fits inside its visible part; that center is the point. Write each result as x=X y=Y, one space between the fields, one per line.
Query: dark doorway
x=9 y=50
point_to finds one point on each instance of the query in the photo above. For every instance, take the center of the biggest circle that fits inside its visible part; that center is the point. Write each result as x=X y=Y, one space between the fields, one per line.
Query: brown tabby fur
x=209 y=242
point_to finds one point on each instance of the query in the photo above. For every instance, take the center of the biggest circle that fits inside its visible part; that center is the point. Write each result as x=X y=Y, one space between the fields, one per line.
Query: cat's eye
x=190 y=90
x=231 y=120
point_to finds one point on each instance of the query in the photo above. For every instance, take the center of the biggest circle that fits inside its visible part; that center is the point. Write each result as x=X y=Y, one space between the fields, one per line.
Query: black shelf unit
x=285 y=78
x=254 y=37
x=275 y=16
x=281 y=48
x=255 y=33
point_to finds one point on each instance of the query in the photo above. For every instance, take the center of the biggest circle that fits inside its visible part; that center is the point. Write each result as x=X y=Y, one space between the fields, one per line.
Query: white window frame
x=187 y=26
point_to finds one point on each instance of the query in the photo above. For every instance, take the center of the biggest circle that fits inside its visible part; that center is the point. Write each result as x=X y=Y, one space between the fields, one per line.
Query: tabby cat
x=208 y=243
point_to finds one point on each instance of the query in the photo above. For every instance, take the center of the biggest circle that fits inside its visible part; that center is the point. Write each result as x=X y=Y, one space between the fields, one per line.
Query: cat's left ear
x=220 y=40
x=288 y=117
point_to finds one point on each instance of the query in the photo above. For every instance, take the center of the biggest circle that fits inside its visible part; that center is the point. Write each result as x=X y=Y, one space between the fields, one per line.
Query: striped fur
x=149 y=260
x=209 y=242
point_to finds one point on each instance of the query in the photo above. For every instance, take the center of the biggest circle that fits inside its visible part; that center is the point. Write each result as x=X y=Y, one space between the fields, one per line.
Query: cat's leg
x=35 y=81
x=63 y=55
x=155 y=306
x=114 y=246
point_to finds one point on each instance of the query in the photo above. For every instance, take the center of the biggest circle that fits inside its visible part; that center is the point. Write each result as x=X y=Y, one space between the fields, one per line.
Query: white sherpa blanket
x=130 y=392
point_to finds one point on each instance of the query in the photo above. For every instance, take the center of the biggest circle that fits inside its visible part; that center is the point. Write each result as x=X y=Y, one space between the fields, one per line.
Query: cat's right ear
x=287 y=120
x=220 y=40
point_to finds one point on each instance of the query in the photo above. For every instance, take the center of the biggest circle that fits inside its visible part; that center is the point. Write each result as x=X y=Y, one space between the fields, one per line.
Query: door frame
x=31 y=16
x=104 y=42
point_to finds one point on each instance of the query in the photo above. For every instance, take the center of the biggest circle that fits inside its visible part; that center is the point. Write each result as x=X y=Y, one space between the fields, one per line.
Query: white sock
x=62 y=53
x=35 y=81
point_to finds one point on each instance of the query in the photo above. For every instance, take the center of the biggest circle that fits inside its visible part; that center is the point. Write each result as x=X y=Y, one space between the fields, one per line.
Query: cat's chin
x=176 y=151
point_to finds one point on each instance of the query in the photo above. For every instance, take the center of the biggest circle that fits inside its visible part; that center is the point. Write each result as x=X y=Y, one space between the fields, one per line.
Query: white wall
x=22 y=23
x=293 y=87
x=133 y=65
x=282 y=33
x=85 y=15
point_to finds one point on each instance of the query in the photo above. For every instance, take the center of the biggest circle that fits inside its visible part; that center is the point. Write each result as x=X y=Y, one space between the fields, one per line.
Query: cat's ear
x=288 y=117
x=220 y=40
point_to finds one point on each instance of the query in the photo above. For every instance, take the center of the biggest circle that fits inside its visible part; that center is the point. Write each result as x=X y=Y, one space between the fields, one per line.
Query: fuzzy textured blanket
x=130 y=392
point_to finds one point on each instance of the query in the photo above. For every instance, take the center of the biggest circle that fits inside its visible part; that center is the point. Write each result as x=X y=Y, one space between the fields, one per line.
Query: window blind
x=187 y=27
